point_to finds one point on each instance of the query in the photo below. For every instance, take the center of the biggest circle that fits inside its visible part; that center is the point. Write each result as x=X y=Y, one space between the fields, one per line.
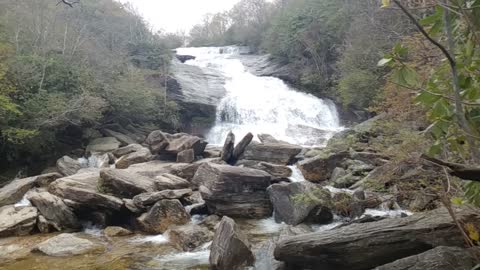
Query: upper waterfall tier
x=263 y=104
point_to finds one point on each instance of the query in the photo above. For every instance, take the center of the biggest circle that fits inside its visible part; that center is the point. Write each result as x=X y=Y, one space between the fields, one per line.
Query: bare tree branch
x=68 y=3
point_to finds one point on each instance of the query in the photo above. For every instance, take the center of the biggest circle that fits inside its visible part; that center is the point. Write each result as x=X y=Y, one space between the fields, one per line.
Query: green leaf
x=410 y=76
x=384 y=61
x=441 y=109
x=435 y=149
x=385 y=3
x=427 y=98
x=457 y=201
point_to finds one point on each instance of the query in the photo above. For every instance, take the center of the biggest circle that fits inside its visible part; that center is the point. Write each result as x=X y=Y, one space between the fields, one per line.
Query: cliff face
x=198 y=92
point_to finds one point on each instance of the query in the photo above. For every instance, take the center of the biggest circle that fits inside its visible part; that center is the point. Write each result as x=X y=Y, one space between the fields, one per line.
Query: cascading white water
x=263 y=104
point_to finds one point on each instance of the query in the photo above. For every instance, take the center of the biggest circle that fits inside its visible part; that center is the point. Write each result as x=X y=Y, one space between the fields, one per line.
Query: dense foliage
x=63 y=70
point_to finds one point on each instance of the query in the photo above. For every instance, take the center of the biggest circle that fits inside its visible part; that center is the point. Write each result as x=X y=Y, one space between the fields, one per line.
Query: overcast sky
x=173 y=15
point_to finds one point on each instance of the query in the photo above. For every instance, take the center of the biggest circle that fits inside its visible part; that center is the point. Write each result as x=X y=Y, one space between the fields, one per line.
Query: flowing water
x=263 y=104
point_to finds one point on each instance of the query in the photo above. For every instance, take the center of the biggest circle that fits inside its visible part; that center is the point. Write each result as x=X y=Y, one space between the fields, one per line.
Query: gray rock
x=82 y=189
x=185 y=142
x=186 y=156
x=157 y=141
x=294 y=202
x=346 y=181
x=68 y=166
x=188 y=237
x=228 y=146
x=163 y=215
x=320 y=168
x=44 y=226
x=17 y=221
x=103 y=145
x=132 y=207
x=114 y=231
x=145 y=199
x=267 y=138
x=393 y=239
x=170 y=181
x=122 y=138
x=282 y=154
x=230 y=249
x=64 y=245
x=55 y=211
x=15 y=190
x=125 y=184
x=439 y=258
x=210 y=222
x=131 y=148
x=276 y=171
x=240 y=148
x=140 y=156
x=234 y=191
x=44 y=180
x=337 y=173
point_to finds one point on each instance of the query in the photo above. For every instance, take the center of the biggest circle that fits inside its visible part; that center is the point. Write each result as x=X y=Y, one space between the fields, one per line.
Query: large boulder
x=294 y=202
x=68 y=166
x=82 y=190
x=15 y=221
x=146 y=199
x=66 y=245
x=122 y=138
x=15 y=190
x=157 y=141
x=125 y=184
x=276 y=153
x=230 y=249
x=321 y=167
x=184 y=142
x=131 y=148
x=368 y=245
x=170 y=181
x=114 y=231
x=240 y=148
x=186 y=156
x=163 y=215
x=103 y=145
x=188 y=237
x=234 y=191
x=55 y=210
x=439 y=258
x=140 y=156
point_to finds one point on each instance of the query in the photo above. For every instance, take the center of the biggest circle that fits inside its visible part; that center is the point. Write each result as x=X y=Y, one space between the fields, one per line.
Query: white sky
x=174 y=15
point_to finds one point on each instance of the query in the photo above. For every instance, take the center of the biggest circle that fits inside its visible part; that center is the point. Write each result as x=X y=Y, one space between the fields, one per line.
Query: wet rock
x=276 y=171
x=188 y=237
x=283 y=154
x=157 y=141
x=210 y=222
x=44 y=226
x=212 y=153
x=320 y=168
x=14 y=191
x=132 y=207
x=114 y=231
x=145 y=199
x=65 y=245
x=68 y=166
x=122 y=138
x=184 y=58
x=267 y=138
x=185 y=142
x=393 y=239
x=234 y=191
x=337 y=173
x=294 y=202
x=82 y=189
x=131 y=148
x=230 y=249
x=140 y=156
x=228 y=146
x=17 y=221
x=44 y=180
x=124 y=184
x=103 y=145
x=162 y=215
x=240 y=148
x=439 y=258
x=170 y=181
x=55 y=211
x=346 y=181
x=186 y=156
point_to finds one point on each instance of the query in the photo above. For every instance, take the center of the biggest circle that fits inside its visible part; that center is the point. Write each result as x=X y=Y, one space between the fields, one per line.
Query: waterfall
x=263 y=104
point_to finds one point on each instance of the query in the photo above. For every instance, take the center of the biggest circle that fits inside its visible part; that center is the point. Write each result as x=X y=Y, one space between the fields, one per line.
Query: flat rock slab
x=439 y=258
x=68 y=166
x=66 y=245
x=17 y=221
x=368 y=245
x=15 y=190
x=189 y=237
x=103 y=145
x=55 y=210
x=145 y=199
x=276 y=153
x=163 y=215
x=140 y=156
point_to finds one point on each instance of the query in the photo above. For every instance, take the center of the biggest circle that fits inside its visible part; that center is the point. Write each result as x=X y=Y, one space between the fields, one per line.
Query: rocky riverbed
x=171 y=201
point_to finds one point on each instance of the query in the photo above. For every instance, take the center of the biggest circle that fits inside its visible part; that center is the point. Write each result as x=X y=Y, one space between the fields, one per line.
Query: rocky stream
x=257 y=191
